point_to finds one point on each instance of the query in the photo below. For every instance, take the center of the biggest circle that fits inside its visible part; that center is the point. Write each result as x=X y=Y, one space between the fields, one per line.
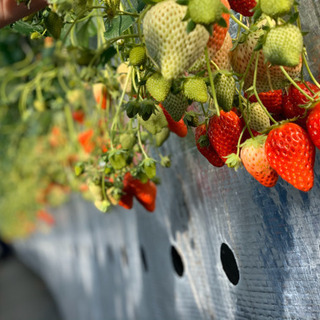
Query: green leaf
x=107 y=55
x=222 y=23
x=26 y=28
x=85 y=30
x=190 y=26
x=294 y=17
x=118 y=25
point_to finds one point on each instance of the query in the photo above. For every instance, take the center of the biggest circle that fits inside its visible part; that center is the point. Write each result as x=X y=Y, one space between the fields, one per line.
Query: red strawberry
x=243 y=6
x=224 y=132
x=145 y=193
x=272 y=100
x=206 y=148
x=215 y=41
x=313 y=125
x=297 y=97
x=126 y=201
x=78 y=116
x=292 y=101
x=291 y=153
x=255 y=161
x=179 y=128
x=85 y=139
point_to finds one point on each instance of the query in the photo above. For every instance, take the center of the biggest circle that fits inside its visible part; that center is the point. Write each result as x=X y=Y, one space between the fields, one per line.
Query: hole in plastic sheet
x=229 y=264
x=110 y=254
x=124 y=255
x=177 y=261
x=144 y=259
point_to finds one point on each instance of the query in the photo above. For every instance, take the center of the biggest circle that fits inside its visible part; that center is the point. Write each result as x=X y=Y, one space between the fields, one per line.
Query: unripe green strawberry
x=257 y=118
x=117 y=159
x=149 y=167
x=132 y=108
x=79 y=169
x=176 y=105
x=54 y=23
x=158 y=86
x=127 y=140
x=204 y=11
x=96 y=191
x=102 y=205
x=137 y=56
x=162 y=136
x=276 y=8
x=225 y=87
x=195 y=89
x=284 y=45
x=168 y=44
x=267 y=74
x=155 y=123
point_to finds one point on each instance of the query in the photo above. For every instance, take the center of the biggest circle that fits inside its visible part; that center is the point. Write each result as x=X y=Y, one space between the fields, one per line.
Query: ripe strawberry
x=313 y=125
x=100 y=94
x=258 y=120
x=291 y=153
x=78 y=116
x=267 y=75
x=276 y=8
x=126 y=201
x=179 y=128
x=225 y=86
x=272 y=100
x=224 y=133
x=168 y=44
x=254 y=159
x=195 y=88
x=176 y=105
x=205 y=148
x=243 y=6
x=219 y=32
x=137 y=56
x=283 y=46
x=204 y=11
x=297 y=97
x=293 y=101
x=145 y=193
x=158 y=86
x=85 y=139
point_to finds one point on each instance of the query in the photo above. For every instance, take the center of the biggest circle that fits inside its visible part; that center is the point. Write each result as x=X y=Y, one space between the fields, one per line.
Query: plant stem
x=140 y=143
x=118 y=109
x=239 y=22
x=255 y=90
x=295 y=85
x=305 y=63
x=211 y=82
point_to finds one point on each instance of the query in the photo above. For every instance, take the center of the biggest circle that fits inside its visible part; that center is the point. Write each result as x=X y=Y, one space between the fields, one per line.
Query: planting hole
x=177 y=261
x=229 y=264
x=143 y=259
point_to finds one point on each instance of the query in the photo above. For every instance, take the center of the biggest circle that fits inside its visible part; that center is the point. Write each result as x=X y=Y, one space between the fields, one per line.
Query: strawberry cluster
x=117 y=82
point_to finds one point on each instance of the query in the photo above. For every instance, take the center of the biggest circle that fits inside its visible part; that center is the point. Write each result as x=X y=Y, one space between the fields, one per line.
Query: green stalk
x=140 y=143
x=255 y=89
x=305 y=63
x=211 y=82
x=239 y=22
x=295 y=85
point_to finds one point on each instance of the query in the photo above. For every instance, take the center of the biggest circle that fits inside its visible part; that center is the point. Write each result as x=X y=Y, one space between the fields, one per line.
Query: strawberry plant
x=96 y=87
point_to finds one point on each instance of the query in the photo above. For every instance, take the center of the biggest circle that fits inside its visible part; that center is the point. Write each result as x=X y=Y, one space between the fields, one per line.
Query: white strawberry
x=268 y=76
x=168 y=44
